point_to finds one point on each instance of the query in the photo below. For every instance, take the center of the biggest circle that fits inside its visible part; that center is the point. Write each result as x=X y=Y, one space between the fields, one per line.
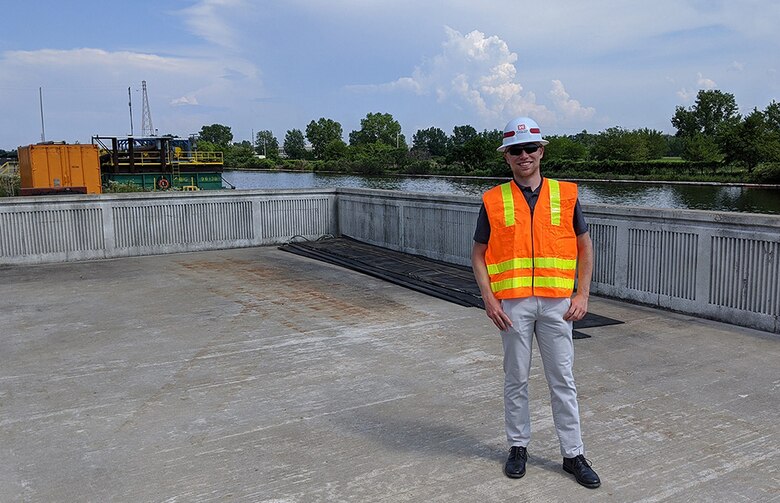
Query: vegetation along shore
x=713 y=143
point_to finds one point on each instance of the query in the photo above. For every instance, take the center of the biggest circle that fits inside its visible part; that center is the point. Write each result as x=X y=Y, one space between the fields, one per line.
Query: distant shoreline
x=498 y=178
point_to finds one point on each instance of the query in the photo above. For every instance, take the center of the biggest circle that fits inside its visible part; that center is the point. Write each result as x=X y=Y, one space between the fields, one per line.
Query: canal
x=657 y=195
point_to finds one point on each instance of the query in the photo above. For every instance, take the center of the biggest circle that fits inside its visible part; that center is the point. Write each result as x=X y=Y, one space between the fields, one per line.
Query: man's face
x=524 y=164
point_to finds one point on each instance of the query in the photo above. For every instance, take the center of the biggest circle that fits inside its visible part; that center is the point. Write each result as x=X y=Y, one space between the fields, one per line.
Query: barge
x=159 y=163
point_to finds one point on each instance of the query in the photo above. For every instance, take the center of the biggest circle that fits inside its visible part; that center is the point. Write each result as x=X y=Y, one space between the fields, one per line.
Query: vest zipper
x=533 y=250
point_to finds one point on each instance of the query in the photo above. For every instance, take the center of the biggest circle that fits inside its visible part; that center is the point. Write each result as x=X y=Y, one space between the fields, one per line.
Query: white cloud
x=705 y=83
x=685 y=95
x=571 y=109
x=737 y=66
x=184 y=100
x=210 y=19
x=479 y=72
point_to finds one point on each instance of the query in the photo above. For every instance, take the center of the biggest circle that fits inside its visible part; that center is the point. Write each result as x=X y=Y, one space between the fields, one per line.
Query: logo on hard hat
x=521 y=127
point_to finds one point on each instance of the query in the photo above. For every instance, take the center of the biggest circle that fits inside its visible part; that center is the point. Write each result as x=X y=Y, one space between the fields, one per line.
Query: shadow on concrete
x=421 y=435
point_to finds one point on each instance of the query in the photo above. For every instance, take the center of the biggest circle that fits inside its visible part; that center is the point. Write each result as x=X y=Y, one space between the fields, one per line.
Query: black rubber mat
x=451 y=282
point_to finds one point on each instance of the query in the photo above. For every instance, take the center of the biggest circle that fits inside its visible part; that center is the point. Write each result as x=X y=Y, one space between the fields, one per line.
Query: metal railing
x=9 y=168
x=198 y=158
x=153 y=158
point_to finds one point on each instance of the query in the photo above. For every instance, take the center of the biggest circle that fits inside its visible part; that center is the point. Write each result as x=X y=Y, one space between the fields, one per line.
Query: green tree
x=772 y=140
x=322 y=132
x=711 y=110
x=460 y=135
x=266 y=144
x=477 y=151
x=564 y=148
x=206 y=146
x=674 y=145
x=772 y=116
x=655 y=141
x=371 y=158
x=294 y=144
x=431 y=141
x=378 y=128
x=754 y=140
x=618 y=144
x=217 y=134
x=584 y=138
x=240 y=155
x=456 y=143
x=335 y=150
x=701 y=147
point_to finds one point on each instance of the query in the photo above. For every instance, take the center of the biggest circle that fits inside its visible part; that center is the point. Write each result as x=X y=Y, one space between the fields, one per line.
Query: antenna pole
x=130 y=104
x=43 y=129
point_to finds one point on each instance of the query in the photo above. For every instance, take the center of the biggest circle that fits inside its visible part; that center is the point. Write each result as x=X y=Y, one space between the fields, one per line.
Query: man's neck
x=532 y=181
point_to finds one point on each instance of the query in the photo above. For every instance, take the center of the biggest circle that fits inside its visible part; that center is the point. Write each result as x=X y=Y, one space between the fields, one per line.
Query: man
x=530 y=243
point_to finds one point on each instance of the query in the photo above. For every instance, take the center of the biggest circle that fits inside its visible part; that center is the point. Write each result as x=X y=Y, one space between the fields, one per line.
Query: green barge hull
x=153 y=181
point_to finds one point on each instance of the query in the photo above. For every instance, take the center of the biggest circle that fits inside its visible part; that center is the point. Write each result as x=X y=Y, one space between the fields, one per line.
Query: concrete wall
x=65 y=228
x=718 y=265
x=724 y=266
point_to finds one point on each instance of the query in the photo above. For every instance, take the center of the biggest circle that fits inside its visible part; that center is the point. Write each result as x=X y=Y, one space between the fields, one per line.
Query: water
x=656 y=195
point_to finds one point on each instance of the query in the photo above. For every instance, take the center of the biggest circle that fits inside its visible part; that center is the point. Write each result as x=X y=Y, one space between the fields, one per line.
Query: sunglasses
x=519 y=149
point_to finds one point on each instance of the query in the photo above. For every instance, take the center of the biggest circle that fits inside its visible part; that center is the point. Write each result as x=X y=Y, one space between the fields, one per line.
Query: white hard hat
x=521 y=130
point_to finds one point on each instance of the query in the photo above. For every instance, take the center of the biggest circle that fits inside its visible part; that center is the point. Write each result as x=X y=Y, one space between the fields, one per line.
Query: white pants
x=543 y=316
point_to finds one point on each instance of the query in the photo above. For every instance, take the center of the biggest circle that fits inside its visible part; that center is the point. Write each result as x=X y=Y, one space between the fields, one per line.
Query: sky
x=277 y=65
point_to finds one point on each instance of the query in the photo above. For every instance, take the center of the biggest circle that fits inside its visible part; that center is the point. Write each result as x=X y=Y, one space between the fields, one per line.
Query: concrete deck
x=257 y=375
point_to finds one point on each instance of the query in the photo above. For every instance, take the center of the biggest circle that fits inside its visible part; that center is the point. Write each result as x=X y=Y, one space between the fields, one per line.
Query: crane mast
x=147 y=129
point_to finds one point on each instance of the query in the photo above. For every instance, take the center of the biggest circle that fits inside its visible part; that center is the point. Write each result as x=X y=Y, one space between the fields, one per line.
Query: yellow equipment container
x=53 y=168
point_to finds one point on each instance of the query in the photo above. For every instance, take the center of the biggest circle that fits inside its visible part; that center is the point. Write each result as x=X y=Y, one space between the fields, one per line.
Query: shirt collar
x=528 y=189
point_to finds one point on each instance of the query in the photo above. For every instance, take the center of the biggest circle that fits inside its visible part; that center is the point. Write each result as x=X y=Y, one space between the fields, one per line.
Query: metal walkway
x=451 y=282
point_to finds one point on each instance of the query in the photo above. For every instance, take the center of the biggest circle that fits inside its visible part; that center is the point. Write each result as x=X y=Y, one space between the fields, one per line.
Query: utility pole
x=130 y=104
x=147 y=129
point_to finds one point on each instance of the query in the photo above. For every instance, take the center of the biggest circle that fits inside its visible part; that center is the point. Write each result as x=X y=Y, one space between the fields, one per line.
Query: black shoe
x=580 y=467
x=515 y=464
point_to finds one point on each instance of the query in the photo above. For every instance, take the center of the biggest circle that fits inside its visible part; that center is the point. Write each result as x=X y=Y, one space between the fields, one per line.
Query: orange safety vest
x=528 y=254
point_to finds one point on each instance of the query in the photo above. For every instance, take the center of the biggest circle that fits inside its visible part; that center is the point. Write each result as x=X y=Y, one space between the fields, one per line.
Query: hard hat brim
x=503 y=148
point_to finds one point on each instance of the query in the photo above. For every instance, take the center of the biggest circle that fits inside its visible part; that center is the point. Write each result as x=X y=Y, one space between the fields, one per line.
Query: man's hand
x=578 y=308
x=496 y=313
x=579 y=303
x=492 y=304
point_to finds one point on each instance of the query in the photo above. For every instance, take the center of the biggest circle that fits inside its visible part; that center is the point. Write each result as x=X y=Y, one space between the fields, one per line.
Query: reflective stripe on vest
x=555 y=202
x=509 y=203
x=526 y=281
x=527 y=263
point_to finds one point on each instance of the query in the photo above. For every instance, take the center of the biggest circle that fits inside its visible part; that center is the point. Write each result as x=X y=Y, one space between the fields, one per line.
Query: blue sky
x=277 y=65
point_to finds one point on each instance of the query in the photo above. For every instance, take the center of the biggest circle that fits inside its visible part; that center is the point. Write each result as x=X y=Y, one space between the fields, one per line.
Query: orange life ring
x=163 y=183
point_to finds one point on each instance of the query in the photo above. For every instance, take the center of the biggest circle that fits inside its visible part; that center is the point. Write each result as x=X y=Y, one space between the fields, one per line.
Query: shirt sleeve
x=580 y=225
x=482 y=232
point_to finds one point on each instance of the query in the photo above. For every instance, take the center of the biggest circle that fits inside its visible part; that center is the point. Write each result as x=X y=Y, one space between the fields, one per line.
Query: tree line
x=713 y=141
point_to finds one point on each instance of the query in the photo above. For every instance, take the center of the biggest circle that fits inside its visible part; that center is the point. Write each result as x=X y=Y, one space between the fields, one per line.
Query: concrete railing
x=65 y=228
x=718 y=265
x=723 y=266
